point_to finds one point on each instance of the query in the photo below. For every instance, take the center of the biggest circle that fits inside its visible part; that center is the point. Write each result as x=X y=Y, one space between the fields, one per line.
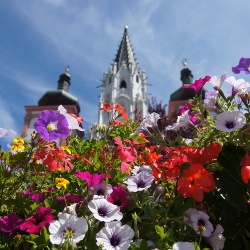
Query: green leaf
x=231 y=190
x=39 y=241
x=228 y=182
x=233 y=221
x=160 y=231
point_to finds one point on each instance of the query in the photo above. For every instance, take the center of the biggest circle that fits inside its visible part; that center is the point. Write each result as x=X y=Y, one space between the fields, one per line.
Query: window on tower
x=123 y=85
x=137 y=78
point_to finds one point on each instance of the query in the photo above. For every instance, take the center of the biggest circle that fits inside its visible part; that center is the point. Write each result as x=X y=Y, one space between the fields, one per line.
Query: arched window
x=137 y=78
x=123 y=84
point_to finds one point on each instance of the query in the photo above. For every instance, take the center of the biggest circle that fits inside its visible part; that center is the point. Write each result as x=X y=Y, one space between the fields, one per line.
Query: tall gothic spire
x=125 y=54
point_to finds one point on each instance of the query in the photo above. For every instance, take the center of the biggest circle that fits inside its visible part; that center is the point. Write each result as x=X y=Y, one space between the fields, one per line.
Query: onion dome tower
x=124 y=83
x=50 y=101
x=181 y=96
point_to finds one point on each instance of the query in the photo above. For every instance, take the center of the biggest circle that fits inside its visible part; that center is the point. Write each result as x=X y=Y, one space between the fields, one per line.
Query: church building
x=124 y=83
x=50 y=101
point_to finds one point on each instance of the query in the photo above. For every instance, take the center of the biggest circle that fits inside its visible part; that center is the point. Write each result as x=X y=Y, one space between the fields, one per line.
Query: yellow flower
x=18 y=144
x=66 y=148
x=61 y=182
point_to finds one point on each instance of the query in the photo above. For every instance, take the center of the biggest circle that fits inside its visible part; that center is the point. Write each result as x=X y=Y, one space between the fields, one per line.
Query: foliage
x=133 y=182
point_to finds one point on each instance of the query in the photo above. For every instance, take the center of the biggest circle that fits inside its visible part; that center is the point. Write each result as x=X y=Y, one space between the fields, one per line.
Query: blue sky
x=39 y=38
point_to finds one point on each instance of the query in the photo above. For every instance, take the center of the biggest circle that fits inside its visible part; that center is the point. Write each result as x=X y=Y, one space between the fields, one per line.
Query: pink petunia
x=198 y=84
x=10 y=223
x=39 y=219
x=91 y=179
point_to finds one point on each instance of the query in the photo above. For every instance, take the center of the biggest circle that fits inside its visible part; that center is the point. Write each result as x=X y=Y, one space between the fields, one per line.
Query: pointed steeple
x=125 y=54
x=124 y=83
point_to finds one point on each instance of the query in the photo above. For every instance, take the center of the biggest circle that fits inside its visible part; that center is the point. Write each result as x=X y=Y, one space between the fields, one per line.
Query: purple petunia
x=52 y=126
x=244 y=65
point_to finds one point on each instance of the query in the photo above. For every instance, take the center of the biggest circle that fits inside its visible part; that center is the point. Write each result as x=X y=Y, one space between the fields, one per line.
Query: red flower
x=195 y=181
x=245 y=168
x=202 y=155
x=39 y=219
x=54 y=157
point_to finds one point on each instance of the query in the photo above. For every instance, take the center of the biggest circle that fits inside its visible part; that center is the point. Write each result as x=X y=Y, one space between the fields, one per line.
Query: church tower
x=50 y=101
x=124 y=83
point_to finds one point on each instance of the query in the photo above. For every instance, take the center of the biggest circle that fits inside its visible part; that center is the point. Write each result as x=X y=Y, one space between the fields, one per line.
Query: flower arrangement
x=131 y=185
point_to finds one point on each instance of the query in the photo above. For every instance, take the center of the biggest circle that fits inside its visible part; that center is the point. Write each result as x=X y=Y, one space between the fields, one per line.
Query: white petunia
x=115 y=236
x=70 y=209
x=238 y=86
x=105 y=211
x=230 y=121
x=183 y=246
x=67 y=224
x=216 y=239
x=4 y=132
x=217 y=81
x=199 y=221
x=149 y=122
x=73 y=123
x=99 y=189
x=139 y=182
x=182 y=121
x=137 y=169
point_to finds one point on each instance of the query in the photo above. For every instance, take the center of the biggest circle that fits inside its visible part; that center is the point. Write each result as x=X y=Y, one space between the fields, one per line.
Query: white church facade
x=124 y=83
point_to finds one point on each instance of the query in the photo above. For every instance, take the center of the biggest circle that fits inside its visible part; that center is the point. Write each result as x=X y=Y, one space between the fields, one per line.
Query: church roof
x=125 y=54
x=61 y=96
x=183 y=94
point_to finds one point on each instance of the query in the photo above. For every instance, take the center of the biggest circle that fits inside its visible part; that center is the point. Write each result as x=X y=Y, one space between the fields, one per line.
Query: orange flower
x=195 y=181
x=245 y=168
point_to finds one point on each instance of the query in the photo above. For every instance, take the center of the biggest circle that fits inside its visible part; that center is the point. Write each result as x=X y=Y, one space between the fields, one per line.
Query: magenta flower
x=36 y=197
x=10 y=223
x=70 y=198
x=52 y=126
x=119 y=197
x=193 y=117
x=244 y=65
x=39 y=219
x=91 y=179
x=198 y=84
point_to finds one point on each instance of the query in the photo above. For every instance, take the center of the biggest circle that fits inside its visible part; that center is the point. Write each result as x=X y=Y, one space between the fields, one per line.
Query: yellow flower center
x=201 y=228
x=51 y=126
